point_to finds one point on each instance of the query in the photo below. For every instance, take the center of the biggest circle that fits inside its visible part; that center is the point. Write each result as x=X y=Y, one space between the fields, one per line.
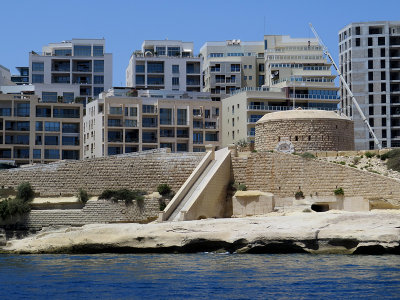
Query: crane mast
x=346 y=86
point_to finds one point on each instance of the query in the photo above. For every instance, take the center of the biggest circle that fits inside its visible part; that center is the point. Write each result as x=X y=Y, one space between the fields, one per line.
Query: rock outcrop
x=375 y=232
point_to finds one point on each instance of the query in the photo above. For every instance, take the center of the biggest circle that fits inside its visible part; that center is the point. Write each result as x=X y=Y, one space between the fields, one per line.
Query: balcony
x=309 y=96
x=281 y=108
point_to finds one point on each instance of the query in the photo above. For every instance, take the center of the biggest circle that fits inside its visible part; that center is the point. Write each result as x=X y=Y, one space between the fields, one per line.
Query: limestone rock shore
x=375 y=232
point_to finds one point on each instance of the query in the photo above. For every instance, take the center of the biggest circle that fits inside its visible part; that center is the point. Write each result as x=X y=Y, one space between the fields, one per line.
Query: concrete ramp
x=203 y=195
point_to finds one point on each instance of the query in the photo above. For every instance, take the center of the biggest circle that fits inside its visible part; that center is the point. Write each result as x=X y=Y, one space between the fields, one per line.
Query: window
x=235 y=67
x=155 y=67
x=97 y=90
x=384 y=121
x=370 y=87
x=98 y=79
x=245 y=77
x=358 y=30
x=160 y=50
x=182 y=117
x=68 y=97
x=38 y=139
x=260 y=80
x=52 y=126
x=167 y=133
x=383 y=110
x=51 y=140
x=245 y=67
x=381 y=41
x=383 y=98
x=63 y=52
x=174 y=51
x=211 y=137
x=371 y=99
x=370 y=53
x=139 y=68
x=250 y=77
x=175 y=80
x=370 y=64
x=51 y=154
x=71 y=127
x=383 y=76
x=357 y=42
x=382 y=63
x=39 y=126
x=250 y=67
x=182 y=147
x=382 y=52
x=133 y=111
x=22 y=110
x=37 y=154
x=43 y=112
x=233 y=109
x=49 y=96
x=369 y=41
x=265 y=44
x=98 y=66
x=37 y=78
x=383 y=87
x=166 y=116
x=98 y=51
x=261 y=67
x=371 y=112
x=139 y=79
x=82 y=50
x=370 y=76
x=175 y=69
x=38 y=66
x=70 y=154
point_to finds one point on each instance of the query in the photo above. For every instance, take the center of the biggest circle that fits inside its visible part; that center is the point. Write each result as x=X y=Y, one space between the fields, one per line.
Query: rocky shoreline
x=375 y=232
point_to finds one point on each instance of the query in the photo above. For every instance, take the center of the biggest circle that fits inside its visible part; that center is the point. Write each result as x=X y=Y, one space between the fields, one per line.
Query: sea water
x=203 y=275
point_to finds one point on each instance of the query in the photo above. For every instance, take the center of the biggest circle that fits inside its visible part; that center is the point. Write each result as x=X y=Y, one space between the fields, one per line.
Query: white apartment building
x=5 y=76
x=126 y=120
x=165 y=64
x=369 y=58
x=70 y=70
x=296 y=75
x=231 y=65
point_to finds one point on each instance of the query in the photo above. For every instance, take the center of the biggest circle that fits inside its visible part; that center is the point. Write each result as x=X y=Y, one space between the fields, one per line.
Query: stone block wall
x=306 y=134
x=140 y=170
x=285 y=174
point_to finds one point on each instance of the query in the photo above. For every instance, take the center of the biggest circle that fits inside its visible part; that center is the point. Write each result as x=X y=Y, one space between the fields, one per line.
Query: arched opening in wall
x=320 y=207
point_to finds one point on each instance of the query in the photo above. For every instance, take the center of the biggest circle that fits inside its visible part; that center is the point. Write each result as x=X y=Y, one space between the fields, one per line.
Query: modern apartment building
x=125 y=120
x=370 y=62
x=296 y=75
x=35 y=132
x=79 y=68
x=232 y=65
x=22 y=78
x=165 y=64
x=5 y=76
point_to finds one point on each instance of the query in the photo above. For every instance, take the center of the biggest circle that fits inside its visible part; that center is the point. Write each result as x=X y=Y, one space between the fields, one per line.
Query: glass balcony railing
x=280 y=108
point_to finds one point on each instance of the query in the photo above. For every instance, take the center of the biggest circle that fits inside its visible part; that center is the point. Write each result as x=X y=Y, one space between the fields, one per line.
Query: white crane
x=326 y=52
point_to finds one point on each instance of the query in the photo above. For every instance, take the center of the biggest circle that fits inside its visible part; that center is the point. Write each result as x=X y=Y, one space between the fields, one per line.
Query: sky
x=28 y=25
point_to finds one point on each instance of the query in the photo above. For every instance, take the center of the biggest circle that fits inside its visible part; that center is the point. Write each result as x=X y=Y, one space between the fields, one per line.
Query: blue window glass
x=98 y=50
x=155 y=67
x=38 y=139
x=175 y=80
x=66 y=113
x=235 y=67
x=5 y=153
x=51 y=140
x=114 y=150
x=181 y=116
x=139 y=68
x=181 y=147
x=130 y=123
x=70 y=127
x=63 y=52
x=22 y=110
x=167 y=133
x=114 y=136
x=50 y=97
x=182 y=133
x=82 y=50
x=98 y=66
x=5 y=111
x=149 y=137
x=197 y=138
x=51 y=154
x=68 y=97
x=70 y=140
x=21 y=153
x=39 y=126
x=211 y=137
x=98 y=79
x=160 y=50
x=116 y=110
x=155 y=80
x=70 y=154
x=129 y=149
x=265 y=44
x=174 y=51
x=52 y=126
x=97 y=90
x=175 y=69
x=148 y=109
x=139 y=79
x=38 y=66
x=149 y=122
x=37 y=154
x=37 y=78
x=166 y=116
x=43 y=112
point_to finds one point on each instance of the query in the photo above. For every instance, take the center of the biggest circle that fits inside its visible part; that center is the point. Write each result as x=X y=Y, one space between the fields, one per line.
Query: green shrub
x=356 y=160
x=307 y=155
x=25 y=192
x=107 y=194
x=299 y=195
x=342 y=163
x=164 y=189
x=123 y=194
x=339 y=192
x=83 y=196
x=369 y=154
x=12 y=207
x=238 y=186
x=162 y=205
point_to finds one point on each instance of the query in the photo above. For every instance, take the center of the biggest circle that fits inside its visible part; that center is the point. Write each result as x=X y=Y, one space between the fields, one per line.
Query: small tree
x=339 y=192
x=83 y=196
x=164 y=189
x=299 y=195
x=25 y=192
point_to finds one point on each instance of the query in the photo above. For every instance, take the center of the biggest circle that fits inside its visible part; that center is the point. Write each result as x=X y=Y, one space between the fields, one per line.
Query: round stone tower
x=304 y=130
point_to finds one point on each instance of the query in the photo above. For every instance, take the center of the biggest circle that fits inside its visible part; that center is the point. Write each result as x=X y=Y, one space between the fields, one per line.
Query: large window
x=82 y=50
x=139 y=68
x=182 y=133
x=167 y=133
x=51 y=140
x=51 y=154
x=38 y=66
x=39 y=126
x=235 y=67
x=52 y=126
x=175 y=80
x=182 y=117
x=160 y=50
x=37 y=154
x=70 y=127
x=155 y=67
x=70 y=140
x=63 y=52
x=211 y=137
x=98 y=66
x=21 y=153
x=114 y=150
x=66 y=112
x=49 y=97
x=182 y=147
x=98 y=51
x=22 y=110
x=174 y=51
x=68 y=97
x=37 y=78
x=114 y=136
x=97 y=90
x=149 y=136
x=98 y=79
x=175 y=69
x=139 y=79
x=165 y=116
x=149 y=122
x=70 y=154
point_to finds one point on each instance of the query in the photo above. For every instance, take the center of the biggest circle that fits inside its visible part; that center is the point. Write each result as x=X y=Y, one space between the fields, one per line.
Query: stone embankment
x=376 y=232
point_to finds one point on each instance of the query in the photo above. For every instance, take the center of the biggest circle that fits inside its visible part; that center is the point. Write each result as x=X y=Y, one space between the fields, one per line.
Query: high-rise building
x=64 y=71
x=296 y=76
x=165 y=64
x=35 y=132
x=125 y=120
x=370 y=63
x=232 y=65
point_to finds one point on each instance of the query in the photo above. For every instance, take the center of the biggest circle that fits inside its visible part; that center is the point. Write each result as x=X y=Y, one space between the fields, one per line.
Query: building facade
x=5 y=76
x=369 y=59
x=76 y=69
x=22 y=78
x=232 y=65
x=296 y=75
x=35 y=132
x=125 y=120
x=165 y=64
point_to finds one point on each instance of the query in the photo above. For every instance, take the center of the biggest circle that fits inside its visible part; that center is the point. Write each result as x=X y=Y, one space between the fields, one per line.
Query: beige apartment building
x=296 y=75
x=36 y=132
x=232 y=65
x=125 y=120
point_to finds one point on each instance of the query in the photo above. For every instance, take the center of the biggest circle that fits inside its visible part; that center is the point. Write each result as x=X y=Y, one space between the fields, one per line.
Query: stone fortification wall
x=141 y=170
x=100 y=211
x=285 y=174
x=306 y=134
